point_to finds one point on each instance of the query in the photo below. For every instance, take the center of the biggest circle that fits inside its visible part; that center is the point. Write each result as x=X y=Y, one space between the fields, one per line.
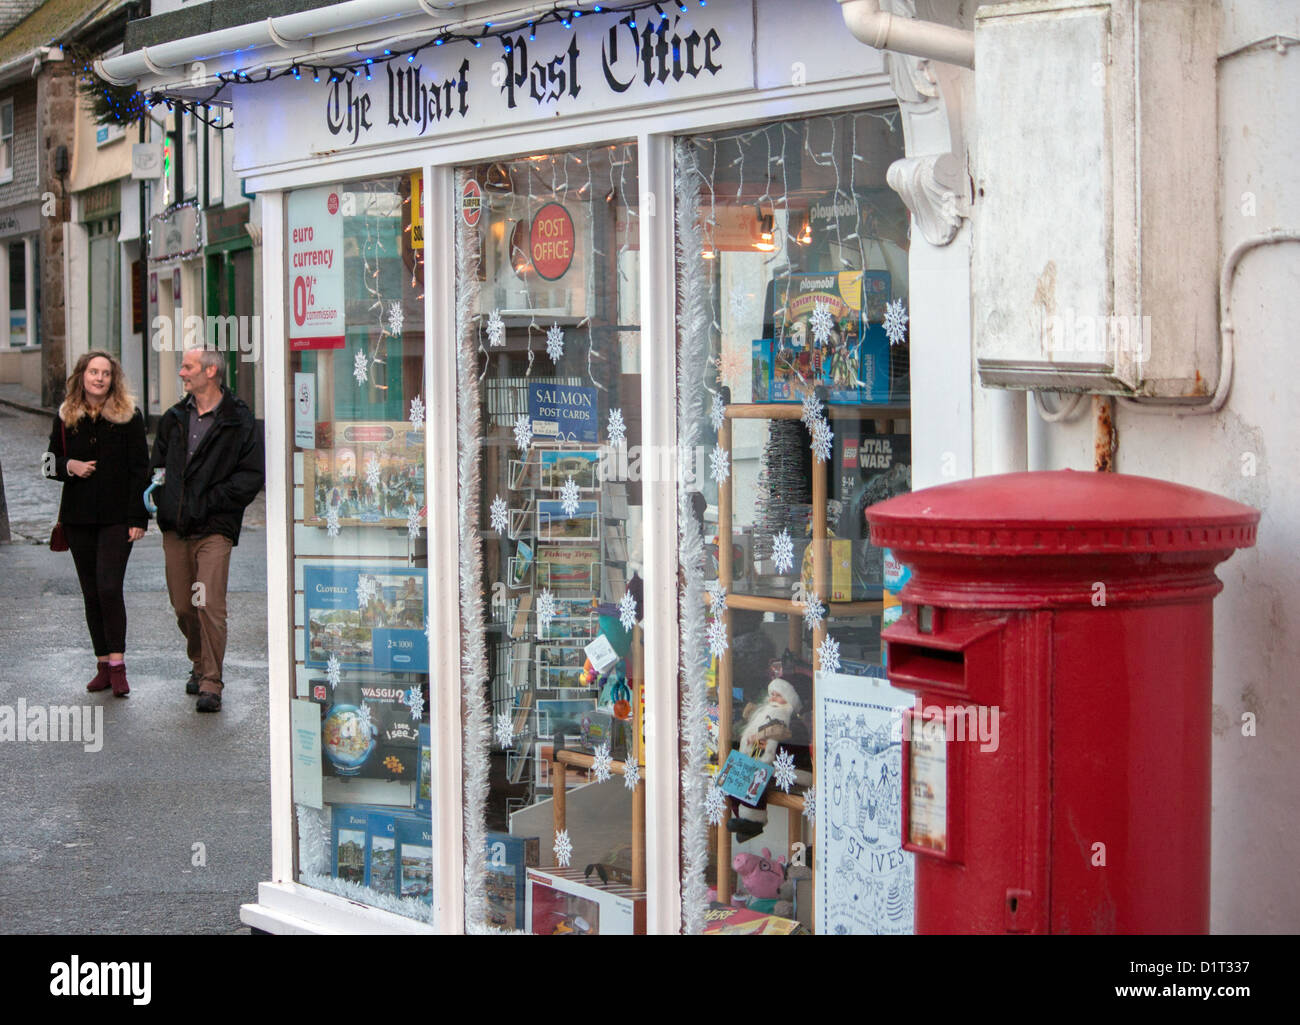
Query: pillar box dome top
x=1061 y=512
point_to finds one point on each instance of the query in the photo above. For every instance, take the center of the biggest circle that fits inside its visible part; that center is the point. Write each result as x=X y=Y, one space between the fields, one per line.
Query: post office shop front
x=587 y=336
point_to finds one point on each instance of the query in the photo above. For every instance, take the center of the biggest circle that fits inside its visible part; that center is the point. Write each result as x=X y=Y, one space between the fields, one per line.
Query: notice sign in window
x=315 y=269
x=928 y=794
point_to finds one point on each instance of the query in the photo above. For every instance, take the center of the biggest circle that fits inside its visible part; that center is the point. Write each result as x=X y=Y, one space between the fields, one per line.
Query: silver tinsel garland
x=474 y=708
x=693 y=351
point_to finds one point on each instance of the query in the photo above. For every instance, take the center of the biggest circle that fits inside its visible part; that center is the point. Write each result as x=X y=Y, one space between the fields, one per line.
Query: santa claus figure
x=767 y=726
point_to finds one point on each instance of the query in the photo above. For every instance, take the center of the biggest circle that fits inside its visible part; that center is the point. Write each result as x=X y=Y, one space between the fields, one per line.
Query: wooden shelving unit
x=794 y=803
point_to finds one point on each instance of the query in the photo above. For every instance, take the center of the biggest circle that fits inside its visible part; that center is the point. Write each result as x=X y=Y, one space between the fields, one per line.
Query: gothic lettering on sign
x=660 y=50
x=343 y=111
x=547 y=81
x=412 y=102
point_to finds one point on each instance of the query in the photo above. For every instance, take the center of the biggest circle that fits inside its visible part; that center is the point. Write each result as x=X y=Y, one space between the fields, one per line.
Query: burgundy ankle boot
x=117 y=677
x=101 y=681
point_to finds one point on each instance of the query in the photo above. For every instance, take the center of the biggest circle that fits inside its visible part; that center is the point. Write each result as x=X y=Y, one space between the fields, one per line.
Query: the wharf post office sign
x=601 y=62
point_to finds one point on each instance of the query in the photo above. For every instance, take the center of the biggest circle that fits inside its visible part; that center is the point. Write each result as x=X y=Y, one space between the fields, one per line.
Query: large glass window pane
x=805 y=421
x=18 y=293
x=548 y=277
x=361 y=591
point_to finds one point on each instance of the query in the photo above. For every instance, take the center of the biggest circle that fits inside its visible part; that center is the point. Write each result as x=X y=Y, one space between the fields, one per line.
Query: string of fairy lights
x=126 y=105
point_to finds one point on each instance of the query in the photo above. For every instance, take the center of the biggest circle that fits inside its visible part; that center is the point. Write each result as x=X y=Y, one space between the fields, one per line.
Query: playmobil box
x=562 y=902
x=728 y=920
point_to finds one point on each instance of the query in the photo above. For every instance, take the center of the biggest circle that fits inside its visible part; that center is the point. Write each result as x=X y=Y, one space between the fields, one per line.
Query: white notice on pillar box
x=316 y=269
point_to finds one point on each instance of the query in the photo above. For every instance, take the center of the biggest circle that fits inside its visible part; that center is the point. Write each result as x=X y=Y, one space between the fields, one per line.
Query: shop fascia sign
x=601 y=63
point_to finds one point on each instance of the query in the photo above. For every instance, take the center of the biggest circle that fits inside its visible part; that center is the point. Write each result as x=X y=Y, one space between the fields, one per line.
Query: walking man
x=208 y=445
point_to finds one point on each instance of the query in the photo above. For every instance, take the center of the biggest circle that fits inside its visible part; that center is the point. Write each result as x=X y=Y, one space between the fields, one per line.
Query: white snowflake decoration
x=426 y=629
x=523 y=432
x=505 y=731
x=332 y=522
x=829 y=653
x=715 y=805
x=545 y=609
x=783 y=552
x=372 y=472
x=822 y=323
x=627 y=610
x=555 y=342
x=810 y=804
x=496 y=329
x=359 y=368
x=717 y=635
x=500 y=515
x=395 y=318
x=417 y=413
x=563 y=848
x=719 y=464
x=717 y=596
x=412 y=522
x=812 y=409
x=718 y=413
x=332 y=670
x=631 y=774
x=617 y=428
x=731 y=363
x=783 y=770
x=821 y=439
x=895 y=322
x=365 y=591
x=602 y=764
x=363 y=715
x=814 y=612
x=415 y=702
x=569 y=497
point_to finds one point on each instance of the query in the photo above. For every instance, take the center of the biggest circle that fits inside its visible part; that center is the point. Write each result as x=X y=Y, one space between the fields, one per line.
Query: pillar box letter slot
x=961 y=657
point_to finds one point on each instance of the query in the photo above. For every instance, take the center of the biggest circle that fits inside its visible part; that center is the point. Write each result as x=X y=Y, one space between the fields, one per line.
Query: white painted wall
x=1256 y=800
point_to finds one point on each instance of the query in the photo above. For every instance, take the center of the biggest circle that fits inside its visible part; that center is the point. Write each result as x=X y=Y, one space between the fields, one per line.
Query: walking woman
x=100 y=453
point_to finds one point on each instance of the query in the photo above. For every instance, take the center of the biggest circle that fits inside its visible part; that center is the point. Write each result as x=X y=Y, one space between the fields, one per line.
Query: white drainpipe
x=885 y=31
x=285 y=31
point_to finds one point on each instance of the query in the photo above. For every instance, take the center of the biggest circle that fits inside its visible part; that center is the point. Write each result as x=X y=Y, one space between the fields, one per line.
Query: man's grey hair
x=211 y=358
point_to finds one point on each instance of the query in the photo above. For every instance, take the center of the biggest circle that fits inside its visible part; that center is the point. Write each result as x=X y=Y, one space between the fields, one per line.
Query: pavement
x=166 y=828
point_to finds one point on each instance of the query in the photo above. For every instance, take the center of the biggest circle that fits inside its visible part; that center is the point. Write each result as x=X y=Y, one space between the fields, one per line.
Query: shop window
x=18 y=333
x=793 y=313
x=360 y=697
x=104 y=291
x=7 y=141
x=548 y=314
x=216 y=159
x=190 y=155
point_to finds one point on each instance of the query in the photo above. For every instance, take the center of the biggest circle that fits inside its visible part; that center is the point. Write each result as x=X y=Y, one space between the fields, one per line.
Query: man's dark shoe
x=209 y=701
x=192 y=684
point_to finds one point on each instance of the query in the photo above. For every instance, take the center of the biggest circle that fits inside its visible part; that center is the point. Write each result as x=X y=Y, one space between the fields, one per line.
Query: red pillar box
x=1057 y=634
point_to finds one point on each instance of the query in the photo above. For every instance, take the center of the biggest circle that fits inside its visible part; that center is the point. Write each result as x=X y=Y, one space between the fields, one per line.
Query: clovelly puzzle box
x=561 y=902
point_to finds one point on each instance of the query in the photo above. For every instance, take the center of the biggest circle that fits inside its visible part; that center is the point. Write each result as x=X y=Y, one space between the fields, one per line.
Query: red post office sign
x=551 y=241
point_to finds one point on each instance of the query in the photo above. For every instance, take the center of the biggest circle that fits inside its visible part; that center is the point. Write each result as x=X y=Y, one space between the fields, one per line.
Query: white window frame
x=7 y=141
x=288 y=905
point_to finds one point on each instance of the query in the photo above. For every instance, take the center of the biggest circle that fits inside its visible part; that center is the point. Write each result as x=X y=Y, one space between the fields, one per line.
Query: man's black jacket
x=207 y=494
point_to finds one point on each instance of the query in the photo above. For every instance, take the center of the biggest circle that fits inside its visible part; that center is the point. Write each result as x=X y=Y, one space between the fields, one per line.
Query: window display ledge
x=292 y=909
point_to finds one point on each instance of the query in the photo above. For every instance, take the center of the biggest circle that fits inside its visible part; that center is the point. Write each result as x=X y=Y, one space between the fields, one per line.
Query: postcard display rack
x=883 y=415
x=580 y=556
x=361 y=657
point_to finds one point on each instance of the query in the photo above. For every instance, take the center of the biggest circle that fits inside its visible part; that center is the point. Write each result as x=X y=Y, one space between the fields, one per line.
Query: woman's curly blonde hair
x=119 y=405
